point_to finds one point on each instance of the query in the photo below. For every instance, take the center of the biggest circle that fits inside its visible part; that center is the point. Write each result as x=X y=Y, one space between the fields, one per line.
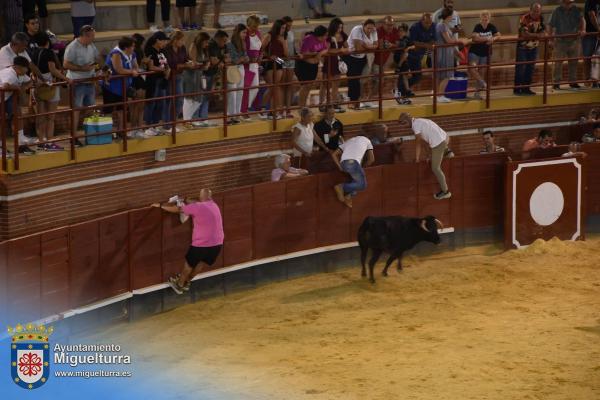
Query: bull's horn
x=423 y=226
x=439 y=224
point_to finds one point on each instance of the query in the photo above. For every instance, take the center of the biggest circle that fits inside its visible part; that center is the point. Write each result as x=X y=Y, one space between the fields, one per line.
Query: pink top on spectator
x=311 y=44
x=208 y=224
x=277 y=173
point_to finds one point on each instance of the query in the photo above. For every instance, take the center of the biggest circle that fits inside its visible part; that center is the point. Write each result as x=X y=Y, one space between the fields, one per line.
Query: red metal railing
x=171 y=98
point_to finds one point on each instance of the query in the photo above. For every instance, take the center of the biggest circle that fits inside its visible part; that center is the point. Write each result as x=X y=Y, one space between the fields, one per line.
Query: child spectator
x=405 y=45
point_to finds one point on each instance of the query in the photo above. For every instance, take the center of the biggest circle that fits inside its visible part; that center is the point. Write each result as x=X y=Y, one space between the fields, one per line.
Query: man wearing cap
x=207 y=238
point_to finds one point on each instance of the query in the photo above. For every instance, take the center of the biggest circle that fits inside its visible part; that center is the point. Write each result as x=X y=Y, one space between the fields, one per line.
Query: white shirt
x=81 y=55
x=8 y=76
x=305 y=139
x=7 y=56
x=429 y=131
x=355 y=148
x=357 y=33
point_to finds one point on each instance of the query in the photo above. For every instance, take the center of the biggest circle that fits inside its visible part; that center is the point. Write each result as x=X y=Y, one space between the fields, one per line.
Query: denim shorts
x=474 y=58
x=84 y=95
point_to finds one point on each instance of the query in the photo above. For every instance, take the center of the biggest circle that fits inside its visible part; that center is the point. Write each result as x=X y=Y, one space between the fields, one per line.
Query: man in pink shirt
x=207 y=238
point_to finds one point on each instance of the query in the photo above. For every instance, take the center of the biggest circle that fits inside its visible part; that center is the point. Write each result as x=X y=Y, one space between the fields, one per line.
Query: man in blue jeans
x=348 y=157
x=531 y=29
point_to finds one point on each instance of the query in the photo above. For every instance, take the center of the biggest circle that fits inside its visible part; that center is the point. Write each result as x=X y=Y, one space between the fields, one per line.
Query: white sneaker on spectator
x=150 y=132
x=373 y=104
x=154 y=28
x=362 y=106
x=264 y=115
x=26 y=140
x=443 y=99
x=211 y=124
x=199 y=124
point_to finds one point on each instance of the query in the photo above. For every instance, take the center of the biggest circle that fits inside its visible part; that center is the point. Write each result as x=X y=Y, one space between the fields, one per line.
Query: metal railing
x=170 y=99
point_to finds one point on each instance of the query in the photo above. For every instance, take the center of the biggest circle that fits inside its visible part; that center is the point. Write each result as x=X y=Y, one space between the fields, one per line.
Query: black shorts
x=109 y=97
x=306 y=71
x=206 y=255
x=269 y=65
x=185 y=3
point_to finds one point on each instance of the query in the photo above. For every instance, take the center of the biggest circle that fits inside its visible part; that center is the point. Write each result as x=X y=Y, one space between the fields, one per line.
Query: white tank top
x=305 y=139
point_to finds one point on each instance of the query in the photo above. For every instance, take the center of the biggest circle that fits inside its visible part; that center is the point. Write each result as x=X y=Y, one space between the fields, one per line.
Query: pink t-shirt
x=208 y=224
x=311 y=44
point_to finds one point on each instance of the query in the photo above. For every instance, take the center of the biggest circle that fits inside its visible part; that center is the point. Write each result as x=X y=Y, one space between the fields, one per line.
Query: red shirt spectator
x=388 y=37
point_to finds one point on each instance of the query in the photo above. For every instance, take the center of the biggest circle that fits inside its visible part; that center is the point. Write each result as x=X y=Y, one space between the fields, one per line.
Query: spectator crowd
x=149 y=70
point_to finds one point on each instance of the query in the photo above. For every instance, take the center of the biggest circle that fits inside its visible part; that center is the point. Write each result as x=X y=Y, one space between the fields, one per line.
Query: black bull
x=394 y=235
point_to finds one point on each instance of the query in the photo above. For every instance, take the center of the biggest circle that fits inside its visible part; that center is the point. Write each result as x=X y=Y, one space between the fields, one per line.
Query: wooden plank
x=301 y=214
x=55 y=267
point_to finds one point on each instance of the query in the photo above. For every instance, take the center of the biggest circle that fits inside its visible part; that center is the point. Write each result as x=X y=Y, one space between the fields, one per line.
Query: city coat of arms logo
x=30 y=355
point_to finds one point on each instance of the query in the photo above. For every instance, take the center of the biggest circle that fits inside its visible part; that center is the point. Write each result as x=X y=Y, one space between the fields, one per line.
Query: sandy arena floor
x=471 y=324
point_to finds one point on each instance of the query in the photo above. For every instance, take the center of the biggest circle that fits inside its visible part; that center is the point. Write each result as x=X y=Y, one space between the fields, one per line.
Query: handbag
x=233 y=74
x=342 y=66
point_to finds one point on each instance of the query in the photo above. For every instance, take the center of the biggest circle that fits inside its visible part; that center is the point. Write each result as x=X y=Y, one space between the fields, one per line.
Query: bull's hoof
x=384 y=273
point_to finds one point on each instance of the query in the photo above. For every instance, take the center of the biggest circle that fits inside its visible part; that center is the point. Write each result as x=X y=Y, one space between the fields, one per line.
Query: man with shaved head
x=207 y=238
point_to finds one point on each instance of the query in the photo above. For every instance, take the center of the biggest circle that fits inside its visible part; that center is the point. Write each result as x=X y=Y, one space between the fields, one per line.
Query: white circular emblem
x=546 y=204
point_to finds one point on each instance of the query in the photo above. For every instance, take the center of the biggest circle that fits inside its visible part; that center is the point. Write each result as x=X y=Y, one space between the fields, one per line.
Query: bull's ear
x=424 y=225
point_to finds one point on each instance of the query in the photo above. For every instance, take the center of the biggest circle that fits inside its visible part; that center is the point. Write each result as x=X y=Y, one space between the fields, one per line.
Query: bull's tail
x=363 y=240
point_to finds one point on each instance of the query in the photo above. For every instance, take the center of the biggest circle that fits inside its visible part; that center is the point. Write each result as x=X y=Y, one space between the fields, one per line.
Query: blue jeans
x=524 y=72
x=359 y=180
x=203 y=109
x=153 y=110
x=178 y=103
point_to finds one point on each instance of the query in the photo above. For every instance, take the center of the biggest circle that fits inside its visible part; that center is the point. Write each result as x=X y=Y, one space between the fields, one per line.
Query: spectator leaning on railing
x=362 y=38
x=484 y=34
x=566 y=19
x=284 y=170
x=338 y=50
x=15 y=78
x=388 y=35
x=422 y=36
x=274 y=48
x=314 y=47
x=401 y=55
x=589 y=43
x=237 y=50
x=544 y=140
x=156 y=83
x=195 y=80
x=445 y=56
x=121 y=61
x=178 y=60
x=17 y=47
x=531 y=29
x=81 y=61
x=47 y=97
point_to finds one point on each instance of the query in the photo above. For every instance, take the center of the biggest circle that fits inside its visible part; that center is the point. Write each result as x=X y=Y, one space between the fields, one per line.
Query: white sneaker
x=27 y=140
x=199 y=124
x=154 y=28
x=443 y=99
x=362 y=106
x=150 y=132
x=211 y=124
x=373 y=104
